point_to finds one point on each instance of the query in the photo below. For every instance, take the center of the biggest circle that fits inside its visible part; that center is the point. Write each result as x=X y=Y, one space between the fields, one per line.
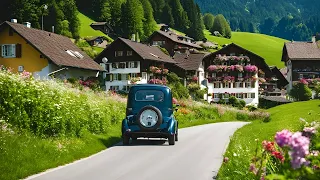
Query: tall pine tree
x=149 y=24
x=132 y=18
x=179 y=15
x=167 y=16
x=157 y=6
x=208 y=19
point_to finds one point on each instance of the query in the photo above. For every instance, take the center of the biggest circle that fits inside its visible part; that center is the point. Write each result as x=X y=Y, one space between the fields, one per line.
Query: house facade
x=234 y=71
x=128 y=62
x=171 y=41
x=302 y=60
x=42 y=53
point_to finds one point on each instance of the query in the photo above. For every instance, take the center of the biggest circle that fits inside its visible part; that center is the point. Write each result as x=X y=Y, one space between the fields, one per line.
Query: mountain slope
x=290 y=19
x=268 y=47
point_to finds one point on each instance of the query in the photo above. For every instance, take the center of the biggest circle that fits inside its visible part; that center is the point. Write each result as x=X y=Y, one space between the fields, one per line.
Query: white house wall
x=249 y=101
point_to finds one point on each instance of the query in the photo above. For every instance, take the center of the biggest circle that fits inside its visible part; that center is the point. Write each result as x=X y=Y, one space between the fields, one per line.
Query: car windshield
x=149 y=95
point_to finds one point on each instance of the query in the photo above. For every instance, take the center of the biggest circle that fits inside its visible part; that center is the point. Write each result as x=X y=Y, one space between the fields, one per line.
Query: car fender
x=125 y=126
x=172 y=126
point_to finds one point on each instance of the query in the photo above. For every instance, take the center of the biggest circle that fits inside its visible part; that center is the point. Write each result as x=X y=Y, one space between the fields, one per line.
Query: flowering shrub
x=228 y=79
x=158 y=70
x=134 y=80
x=162 y=81
x=291 y=156
x=262 y=80
x=195 y=79
x=223 y=58
x=53 y=108
x=251 y=68
x=25 y=75
x=239 y=68
x=212 y=68
x=303 y=81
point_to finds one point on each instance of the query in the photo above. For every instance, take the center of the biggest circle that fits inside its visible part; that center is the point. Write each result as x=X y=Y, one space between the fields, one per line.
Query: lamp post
x=45 y=7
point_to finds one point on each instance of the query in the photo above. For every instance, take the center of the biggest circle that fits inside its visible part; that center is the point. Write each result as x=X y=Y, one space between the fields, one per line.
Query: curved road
x=197 y=156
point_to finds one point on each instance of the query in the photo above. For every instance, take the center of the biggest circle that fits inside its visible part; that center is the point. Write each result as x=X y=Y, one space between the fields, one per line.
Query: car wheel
x=176 y=136
x=171 y=140
x=149 y=118
x=134 y=138
x=125 y=139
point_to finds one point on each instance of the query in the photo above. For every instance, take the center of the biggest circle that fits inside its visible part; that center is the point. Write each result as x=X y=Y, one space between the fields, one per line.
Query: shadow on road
x=145 y=142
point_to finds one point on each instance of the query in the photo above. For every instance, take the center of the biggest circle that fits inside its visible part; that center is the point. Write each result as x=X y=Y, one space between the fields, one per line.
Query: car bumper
x=138 y=134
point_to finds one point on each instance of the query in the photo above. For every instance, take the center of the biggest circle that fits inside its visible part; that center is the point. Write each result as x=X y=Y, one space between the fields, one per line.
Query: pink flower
x=310 y=130
x=283 y=138
x=212 y=68
x=225 y=159
x=303 y=81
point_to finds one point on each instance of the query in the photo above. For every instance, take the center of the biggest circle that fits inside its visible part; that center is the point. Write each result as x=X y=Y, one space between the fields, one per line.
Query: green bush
x=251 y=108
x=242 y=104
x=221 y=101
x=233 y=101
x=49 y=108
x=242 y=116
x=301 y=92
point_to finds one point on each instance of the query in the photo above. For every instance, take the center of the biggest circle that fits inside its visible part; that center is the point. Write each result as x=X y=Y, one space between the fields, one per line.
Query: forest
x=127 y=17
x=289 y=19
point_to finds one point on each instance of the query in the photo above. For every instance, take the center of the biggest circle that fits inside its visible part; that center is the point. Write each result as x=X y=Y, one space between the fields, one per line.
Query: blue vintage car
x=149 y=114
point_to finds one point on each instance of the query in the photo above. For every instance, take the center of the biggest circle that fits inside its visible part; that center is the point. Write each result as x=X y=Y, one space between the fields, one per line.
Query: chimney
x=133 y=37
x=27 y=24
x=14 y=20
x=313 y=39
x=53 y=29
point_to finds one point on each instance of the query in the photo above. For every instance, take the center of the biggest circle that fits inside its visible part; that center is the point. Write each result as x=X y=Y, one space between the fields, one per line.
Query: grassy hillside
x=242 y=145
x=268 y=47
x=86 y=30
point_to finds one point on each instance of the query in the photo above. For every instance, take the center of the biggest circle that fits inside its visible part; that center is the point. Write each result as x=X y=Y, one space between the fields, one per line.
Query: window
x=253 y=84
x=214 y=74
x=216 y=85
x=227 y=85
x=248 y=85
x=301 y=76
x=240 y=75
x=122 y=65
x=132 y=64
x=114 y=88
x=133 y=75
x=216 y=96
x=225 y=95
x=126 y=88
x=238 y=84
x=239 y=95
x=9 y=51
x=251 y=95
x=232 y=54
x=129 y=53
x=118 y=53
x=124 y=76
x=115 y=77
x=144 y=75
x=149 y=95
x=115 y=65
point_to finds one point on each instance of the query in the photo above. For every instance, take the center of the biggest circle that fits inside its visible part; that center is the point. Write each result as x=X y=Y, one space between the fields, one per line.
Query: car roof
x=152 y=86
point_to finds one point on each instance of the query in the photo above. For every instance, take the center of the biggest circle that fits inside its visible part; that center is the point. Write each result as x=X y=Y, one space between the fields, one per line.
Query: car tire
x=125 y=139
x=159 y=118
x=176 y=136
x=171 y=140
x=134 y=138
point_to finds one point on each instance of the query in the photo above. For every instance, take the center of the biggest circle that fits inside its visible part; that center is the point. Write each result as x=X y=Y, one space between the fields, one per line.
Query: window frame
x=13 y=49
x=129 y=53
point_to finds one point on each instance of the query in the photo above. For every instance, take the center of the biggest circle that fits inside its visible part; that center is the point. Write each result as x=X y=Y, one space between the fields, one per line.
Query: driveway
x=197 y=156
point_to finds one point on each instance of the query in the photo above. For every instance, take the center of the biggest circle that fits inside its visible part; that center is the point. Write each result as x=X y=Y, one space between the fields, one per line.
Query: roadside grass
x=22 y=155
x=268 y=47
x=19 y=150
x=242 y=145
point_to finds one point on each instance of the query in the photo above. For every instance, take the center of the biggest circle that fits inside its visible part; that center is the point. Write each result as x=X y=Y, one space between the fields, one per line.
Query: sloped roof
x=148 y=52
x=54 y=47
x=190 y=62
x=302 y=50
x=174 y=37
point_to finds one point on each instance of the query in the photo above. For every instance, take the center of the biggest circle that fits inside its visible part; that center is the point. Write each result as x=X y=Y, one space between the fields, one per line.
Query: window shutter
x=108 y=77
x=119 y=77
x=135 y=64
x=0 y=50
x=18 y=50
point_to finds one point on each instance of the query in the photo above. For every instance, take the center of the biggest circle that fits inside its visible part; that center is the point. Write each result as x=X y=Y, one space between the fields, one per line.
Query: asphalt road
x=197 y=156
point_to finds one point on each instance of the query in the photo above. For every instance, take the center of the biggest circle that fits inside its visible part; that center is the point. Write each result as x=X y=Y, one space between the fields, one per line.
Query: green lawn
x=97 y=49
x=242 y=144
x=268 y=47
x=85 y=28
